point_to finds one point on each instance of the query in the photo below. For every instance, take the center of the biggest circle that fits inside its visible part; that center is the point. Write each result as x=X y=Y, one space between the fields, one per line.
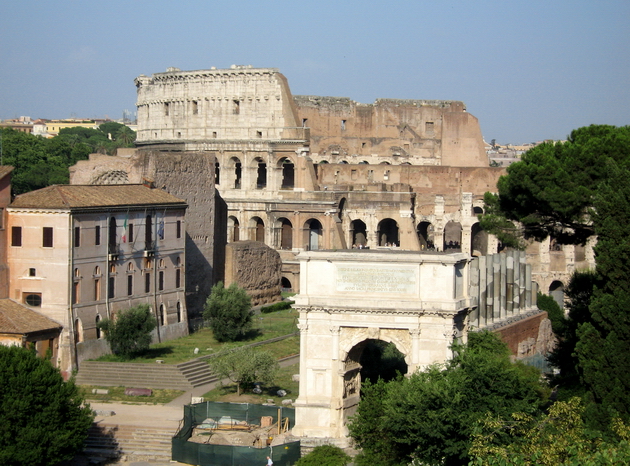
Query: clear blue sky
x=529 y=70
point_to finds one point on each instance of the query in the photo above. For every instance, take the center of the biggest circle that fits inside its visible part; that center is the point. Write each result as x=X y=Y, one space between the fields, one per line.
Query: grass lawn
x=227 y=393
x=265 y=326
x=117 y=394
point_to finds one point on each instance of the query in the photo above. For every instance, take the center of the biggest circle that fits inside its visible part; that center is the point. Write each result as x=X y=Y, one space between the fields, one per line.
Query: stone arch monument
x=417 y=301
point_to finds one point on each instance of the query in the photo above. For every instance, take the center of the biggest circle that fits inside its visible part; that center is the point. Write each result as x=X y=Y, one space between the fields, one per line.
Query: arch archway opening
x=288 y=174
x=426 y=232
x=233 y=229
x=453 y=236
x=358 y=234
x=286 y=285
x=286 y=234
x=478 y=241
x=236 y=172
x=314 y=232
x=258 y=229
x=556 y=291
x=371 y=360
x=261 y=174
x=388 y=233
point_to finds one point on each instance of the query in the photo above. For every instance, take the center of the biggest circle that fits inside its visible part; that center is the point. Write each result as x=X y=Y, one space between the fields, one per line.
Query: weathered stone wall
x=239 y=103
x=419 y=132
x=418 y=179
x=528 y=337
x=256 y=268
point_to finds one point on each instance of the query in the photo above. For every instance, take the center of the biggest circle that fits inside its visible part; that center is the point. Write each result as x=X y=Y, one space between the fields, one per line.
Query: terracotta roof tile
x=19 y=319
x=85 y=196
x=5 y=170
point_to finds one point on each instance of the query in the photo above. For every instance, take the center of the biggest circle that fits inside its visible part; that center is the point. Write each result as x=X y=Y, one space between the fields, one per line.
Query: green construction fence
x=224 y=455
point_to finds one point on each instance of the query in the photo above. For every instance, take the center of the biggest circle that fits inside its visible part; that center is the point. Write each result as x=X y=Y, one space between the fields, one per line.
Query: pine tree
x=43 y=420
x=603 y=346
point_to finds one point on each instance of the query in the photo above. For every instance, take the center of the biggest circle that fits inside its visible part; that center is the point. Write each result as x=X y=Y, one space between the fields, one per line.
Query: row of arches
x=386 y=235
x=234 y=175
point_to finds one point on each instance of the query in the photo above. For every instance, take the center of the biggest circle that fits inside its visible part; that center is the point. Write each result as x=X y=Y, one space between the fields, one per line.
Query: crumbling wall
x=256 y=268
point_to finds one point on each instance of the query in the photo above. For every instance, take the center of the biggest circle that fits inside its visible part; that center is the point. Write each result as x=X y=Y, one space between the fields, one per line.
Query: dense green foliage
x=551 y=190
x=554 y=312
x=42 y=418
x=244 y=366
x=558 y=438
x=41 y=162
x=578 y=295
x=229 y=311
x=325 y=455
x=129 y=334
x=603 y=343
x=281 y=306
x=430 y=415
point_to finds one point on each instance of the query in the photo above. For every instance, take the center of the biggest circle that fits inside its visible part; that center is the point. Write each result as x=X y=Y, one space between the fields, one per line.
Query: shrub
x=281 y=306
x=130 y=333
x=325 y=455
x=229 y=311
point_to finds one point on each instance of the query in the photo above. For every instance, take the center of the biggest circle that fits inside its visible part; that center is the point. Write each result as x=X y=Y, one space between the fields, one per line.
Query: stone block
x=138 y=392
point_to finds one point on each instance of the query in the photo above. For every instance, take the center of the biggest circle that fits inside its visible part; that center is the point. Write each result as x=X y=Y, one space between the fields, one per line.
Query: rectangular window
x=32 y=272
x=111 y=292
x=178 y=229
x=77 y=237
x=343 y=125
x=195 y=108
x=161 y=281
x=147 y=283
x=236 y=109
x=166 y=109
x=1 y=218
x=304 y=121
x=97 y=289
x=97 y=235
x=131 y=232
x=129 y=285
x=16 y=236
x=178 y=278
x=47 y=237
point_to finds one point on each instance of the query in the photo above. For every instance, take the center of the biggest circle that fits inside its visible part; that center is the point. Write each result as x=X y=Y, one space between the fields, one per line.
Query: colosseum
x=301 y=173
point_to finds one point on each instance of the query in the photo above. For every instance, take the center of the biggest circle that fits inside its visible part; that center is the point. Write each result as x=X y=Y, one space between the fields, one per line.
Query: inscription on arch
x=376 y=279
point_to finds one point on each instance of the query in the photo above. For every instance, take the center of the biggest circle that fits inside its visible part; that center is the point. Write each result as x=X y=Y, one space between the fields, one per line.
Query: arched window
x=162 y=316
x=288 y=173
x=286 y=234
x=233 y=229
x=261 y=173
x=97 y=283
x=314 y=233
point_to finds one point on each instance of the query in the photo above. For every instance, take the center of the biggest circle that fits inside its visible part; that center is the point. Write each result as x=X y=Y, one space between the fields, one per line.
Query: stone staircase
x=184 y=376
x=131 y=443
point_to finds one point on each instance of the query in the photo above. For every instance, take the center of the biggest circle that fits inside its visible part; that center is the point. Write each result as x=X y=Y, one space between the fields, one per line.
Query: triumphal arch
x=416 y=300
